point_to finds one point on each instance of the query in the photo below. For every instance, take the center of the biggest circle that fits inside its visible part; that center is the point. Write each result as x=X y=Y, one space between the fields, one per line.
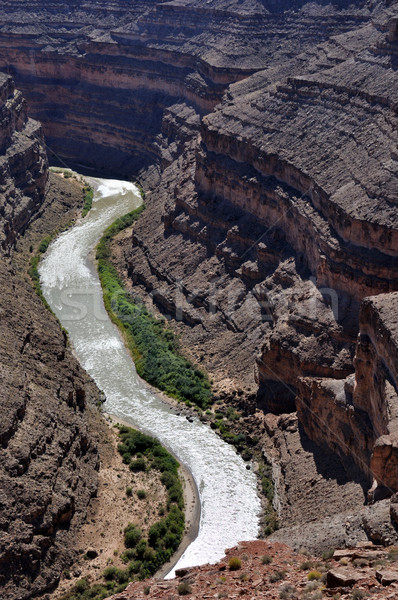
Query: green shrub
x=306 y=565
x=129 y=492
x=87 y=200
x=44 y=244
x=110 y=573
x=132 y=535
x=81 y=586
x=134 y=567
x=138 y=465
x=141 y=494
x=234 y=563
x=288 y=592
x=277 y=576
x=312 y=575
x=128 y=555
x=266 y=559
x=184 y=588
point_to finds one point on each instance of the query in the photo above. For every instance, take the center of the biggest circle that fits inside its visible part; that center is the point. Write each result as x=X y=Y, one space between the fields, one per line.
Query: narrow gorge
x=265 y=137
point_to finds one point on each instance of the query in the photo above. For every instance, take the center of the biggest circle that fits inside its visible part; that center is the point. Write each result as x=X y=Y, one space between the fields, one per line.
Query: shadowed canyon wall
x=48 y=459
x=99 y=78
x=265 y=136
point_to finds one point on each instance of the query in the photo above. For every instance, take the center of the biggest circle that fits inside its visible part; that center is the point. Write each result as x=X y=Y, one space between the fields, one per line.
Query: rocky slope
x=100 y=77
x=23 y=164
x=49 y=457
x=265 y=136
x=273 y=571
x=284 y=219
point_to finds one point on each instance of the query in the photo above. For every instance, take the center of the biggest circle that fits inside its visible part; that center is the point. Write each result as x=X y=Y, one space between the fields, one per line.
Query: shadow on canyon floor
x=331 y=466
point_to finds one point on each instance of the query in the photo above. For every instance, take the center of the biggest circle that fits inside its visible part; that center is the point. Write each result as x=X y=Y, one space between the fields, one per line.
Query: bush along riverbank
x=154 y=347
x=230 y=424
x=145 y=552
x=157 y=357
x=87 y=199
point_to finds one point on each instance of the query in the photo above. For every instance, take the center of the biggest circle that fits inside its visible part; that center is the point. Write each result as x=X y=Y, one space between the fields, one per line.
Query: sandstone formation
x=265 y=136
x=23 y=164
x=49 y=457
x=273 y=571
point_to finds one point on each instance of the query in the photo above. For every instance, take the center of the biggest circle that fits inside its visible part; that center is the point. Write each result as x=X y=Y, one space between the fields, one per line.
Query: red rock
x=387 y=576
x=342 y=578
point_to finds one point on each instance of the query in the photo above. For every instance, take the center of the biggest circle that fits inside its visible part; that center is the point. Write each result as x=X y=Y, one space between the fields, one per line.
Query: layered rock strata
x=284 y=219
x=23 y=164
x=99 y=78
x=49 y=457
x=266 y=138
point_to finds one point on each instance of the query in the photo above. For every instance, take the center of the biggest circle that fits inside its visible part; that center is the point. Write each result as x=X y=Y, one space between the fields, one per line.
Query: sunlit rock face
x=100 y=75
x=49 y=458
x=23 y=164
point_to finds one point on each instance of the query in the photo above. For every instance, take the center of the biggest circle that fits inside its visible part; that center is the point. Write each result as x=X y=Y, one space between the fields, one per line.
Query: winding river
x=229 y=503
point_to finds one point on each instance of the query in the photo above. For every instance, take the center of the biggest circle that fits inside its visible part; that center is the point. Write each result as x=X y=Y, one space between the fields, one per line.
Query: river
x=230 y=505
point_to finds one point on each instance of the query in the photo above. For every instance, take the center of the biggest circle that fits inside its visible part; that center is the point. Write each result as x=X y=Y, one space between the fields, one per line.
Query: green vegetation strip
x=153 y=345
x=87 y=200
x=33 y=270
x=144 y=553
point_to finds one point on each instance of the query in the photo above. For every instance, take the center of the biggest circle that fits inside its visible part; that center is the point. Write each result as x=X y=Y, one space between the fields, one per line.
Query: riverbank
x=191 y=507
x=228 y=496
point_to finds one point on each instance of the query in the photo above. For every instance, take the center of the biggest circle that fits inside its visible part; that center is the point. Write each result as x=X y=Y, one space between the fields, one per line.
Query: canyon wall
x=264 y=134
x=284 y=219
x=49 y=457
x=99 y=79
x=23 y=164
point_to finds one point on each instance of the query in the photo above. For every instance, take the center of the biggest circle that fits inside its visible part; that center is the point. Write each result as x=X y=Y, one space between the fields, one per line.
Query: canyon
x=50 y=427
x=264 y=135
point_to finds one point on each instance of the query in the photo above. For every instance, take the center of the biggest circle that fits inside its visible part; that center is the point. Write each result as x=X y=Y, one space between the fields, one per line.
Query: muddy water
x=227 y=490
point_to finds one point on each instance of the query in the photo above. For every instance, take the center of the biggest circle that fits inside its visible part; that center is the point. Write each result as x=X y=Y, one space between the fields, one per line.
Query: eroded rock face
x=48 y=458
x=100 y=75
x=377 y=382
x=283 y=220
x=23 y=164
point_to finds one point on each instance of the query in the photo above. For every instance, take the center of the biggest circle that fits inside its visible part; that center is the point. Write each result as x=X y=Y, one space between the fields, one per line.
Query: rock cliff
x=284 y=219
x=49 y=457
x=23 y=164
x=265 y=136
x=99 y=77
